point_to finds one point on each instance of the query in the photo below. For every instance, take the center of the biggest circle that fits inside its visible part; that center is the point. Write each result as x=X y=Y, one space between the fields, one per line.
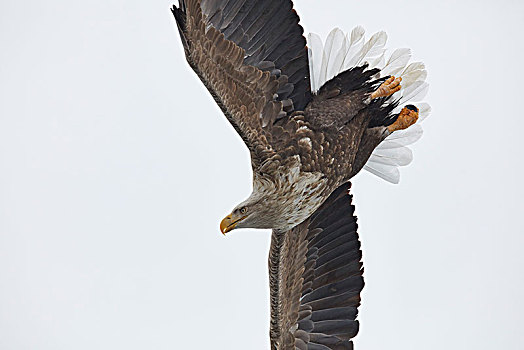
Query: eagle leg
x=387 y=88
x=407 y=117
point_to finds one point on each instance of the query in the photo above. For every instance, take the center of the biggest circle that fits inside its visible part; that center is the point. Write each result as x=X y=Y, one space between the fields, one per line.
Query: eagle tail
x=342 y=52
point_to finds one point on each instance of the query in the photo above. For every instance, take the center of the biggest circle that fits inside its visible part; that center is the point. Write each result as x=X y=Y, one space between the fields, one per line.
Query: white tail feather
x=397 y=62
x=315 y=53
x=424 y=109
x=404 y=137
x=394 y=156
x=342 y=52
x=356 y=41
x=415 y=92
x=336 y=45
x=373 y=48
x=414 y=72
x=390 y=173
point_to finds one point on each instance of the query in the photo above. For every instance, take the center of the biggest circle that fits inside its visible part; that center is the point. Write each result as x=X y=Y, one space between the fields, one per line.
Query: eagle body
x=315 y=159
x=311 y=117
x=312 y=153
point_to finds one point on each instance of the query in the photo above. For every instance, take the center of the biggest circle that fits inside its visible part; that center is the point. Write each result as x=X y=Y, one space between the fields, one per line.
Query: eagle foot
x=407 y=117
x=387 y=88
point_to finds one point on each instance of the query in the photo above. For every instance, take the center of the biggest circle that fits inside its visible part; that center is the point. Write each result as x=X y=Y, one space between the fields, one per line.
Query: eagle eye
x=243 y=210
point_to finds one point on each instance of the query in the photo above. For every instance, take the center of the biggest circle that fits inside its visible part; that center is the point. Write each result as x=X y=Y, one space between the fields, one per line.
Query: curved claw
x=387 y=88
x=407 y=117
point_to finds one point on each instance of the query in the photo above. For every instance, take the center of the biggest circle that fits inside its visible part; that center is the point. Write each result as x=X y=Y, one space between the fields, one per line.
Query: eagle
x=312 y=115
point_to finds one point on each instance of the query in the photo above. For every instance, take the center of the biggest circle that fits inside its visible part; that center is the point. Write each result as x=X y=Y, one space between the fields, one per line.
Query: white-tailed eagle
x=312 y=117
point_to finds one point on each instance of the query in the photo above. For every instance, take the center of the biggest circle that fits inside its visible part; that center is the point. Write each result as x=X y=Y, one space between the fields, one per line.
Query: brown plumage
x=252 y=57
x=316 y=279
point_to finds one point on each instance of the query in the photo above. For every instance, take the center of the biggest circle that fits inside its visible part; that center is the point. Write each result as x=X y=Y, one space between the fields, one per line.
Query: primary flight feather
x=312 y=117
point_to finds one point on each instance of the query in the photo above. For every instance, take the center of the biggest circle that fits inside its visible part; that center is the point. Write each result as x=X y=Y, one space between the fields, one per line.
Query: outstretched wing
x=316 y=279
x=252 y=57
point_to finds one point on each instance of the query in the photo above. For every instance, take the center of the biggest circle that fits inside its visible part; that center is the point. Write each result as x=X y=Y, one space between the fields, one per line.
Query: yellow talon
x=407 y=117
x=387 y=88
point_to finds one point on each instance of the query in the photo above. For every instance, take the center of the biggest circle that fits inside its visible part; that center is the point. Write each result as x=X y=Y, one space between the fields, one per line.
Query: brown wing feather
x=243 y=92
x=270 y=33
x=316 y=279
x=256 y=70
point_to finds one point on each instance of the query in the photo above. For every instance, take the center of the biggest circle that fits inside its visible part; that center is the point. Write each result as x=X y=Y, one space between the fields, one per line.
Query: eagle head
x=255 y=212
x=280 y=202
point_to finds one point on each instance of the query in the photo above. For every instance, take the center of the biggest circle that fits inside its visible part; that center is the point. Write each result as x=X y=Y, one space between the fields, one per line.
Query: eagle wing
x=315 y=273
x=252 y=57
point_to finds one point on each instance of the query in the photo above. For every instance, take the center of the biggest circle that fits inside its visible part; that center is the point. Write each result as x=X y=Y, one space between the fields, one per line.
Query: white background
x=116 y=167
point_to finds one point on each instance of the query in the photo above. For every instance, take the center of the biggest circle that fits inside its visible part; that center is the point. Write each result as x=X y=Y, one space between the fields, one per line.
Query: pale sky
x=116 y=167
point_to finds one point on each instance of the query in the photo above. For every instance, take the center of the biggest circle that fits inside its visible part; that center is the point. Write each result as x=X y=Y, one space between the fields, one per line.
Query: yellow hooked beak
x=229 y=223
